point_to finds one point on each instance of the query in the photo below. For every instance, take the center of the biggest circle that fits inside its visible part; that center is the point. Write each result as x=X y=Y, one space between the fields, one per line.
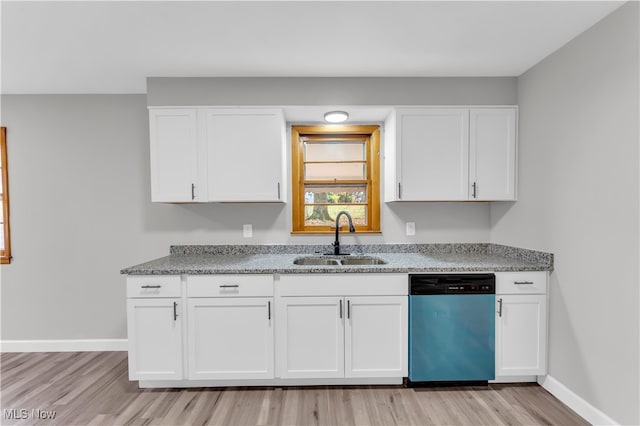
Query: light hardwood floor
x=92 y=388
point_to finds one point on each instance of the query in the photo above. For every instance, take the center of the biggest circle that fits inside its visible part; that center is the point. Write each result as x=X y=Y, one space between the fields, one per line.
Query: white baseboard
x=79 y=345
x=514 y=379
x=575 y=402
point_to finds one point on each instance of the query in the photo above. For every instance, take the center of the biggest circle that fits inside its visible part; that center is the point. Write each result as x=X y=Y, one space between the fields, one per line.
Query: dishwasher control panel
x=470 y=288
x=424 y=284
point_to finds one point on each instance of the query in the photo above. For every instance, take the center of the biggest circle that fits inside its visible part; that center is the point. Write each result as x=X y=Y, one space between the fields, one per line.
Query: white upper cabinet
x=492 y=154
x=450 y=154
x=431 y=155
x=245 y=155
x=217 y=155
x=174 y=155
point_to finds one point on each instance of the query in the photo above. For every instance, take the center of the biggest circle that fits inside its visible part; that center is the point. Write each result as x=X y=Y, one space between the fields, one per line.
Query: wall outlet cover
x=411 y=229
x=247 y=231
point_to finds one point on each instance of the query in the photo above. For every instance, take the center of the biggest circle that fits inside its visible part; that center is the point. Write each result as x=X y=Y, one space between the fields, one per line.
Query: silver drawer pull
x=229 y=286
x=151 y=286
x=522 y=282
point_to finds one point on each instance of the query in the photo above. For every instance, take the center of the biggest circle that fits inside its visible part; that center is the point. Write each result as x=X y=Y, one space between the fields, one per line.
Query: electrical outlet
x=411 y=229
x=247 y=230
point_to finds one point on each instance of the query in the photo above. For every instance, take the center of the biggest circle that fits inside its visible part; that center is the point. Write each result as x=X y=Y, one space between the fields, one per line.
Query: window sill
x=332 y=232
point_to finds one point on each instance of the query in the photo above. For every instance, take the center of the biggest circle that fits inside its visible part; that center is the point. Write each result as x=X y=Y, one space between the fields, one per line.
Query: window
x=5 y=247
x=335 y=168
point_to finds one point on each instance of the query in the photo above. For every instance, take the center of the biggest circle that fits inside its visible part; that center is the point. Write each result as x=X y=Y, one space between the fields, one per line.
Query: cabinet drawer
x=153 y=286
x=521 y=282
x=229 y=285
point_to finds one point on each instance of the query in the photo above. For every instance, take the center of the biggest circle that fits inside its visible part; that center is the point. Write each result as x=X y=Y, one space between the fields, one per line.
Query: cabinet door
x=155 y=339
x=230 y=338
x=376 y=336
x=174 y=155
x=245 y=155
x=521 y=335
x=433 y=161
x=310 y=341
x=492 y=144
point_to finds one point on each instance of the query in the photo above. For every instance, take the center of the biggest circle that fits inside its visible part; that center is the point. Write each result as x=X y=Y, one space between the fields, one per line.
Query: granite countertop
x=272 y=259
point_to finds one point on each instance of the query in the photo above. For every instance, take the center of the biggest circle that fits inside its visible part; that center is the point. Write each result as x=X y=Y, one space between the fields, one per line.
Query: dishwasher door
x=452 y=335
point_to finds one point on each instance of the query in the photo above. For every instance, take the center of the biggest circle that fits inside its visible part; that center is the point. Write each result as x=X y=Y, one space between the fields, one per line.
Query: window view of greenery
x=322 y=204
x=335 y=176
x=335 y=168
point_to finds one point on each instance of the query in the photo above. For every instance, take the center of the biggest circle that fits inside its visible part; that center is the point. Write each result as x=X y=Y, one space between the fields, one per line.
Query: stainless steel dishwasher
x=451 y=329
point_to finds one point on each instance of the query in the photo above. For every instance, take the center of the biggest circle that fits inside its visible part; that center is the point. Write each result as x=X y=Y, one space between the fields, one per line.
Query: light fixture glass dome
x=336 y=116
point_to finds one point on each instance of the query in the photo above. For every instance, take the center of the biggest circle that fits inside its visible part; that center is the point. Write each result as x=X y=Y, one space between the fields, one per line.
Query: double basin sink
x=342 y=261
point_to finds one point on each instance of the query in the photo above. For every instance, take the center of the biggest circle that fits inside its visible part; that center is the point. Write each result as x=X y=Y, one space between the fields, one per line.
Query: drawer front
x=521 y=282
x=153 y=286
x=239 y=285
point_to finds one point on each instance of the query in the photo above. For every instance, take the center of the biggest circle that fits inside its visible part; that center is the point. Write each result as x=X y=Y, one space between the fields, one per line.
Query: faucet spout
x=336 y=243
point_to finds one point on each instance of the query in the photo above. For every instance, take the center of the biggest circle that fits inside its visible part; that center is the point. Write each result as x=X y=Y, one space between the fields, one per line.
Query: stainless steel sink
x=316 y=261
x=362 y=261
x=347 y=261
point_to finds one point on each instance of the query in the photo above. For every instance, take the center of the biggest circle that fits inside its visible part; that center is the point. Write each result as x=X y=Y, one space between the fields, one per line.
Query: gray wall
x=332 y=91
x=81 y=211
x=578 y=198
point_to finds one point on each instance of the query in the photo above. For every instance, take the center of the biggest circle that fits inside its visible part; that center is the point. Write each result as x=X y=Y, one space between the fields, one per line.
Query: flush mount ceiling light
x=336 y=116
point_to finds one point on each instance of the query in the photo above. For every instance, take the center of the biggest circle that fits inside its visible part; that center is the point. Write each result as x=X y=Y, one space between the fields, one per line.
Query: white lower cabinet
x=230 y=338
x=230 y=327
x=521 y=324
x=375 y=336
x=332 y=337
x=311 y=337
x=322 y=335
x=154 y=325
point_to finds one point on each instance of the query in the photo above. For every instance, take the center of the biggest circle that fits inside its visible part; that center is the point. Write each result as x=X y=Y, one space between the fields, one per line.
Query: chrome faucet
x=336 y=244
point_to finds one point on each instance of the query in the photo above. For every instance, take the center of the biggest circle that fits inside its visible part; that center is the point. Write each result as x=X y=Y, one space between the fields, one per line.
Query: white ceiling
x=112 y=46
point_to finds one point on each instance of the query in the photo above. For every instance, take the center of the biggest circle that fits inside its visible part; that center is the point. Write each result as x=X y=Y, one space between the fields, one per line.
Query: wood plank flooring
x=92 y=388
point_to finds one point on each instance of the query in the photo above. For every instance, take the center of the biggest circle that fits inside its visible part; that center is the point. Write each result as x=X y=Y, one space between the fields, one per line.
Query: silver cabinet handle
x=278 y=190
x=348 y=309
x=151 y=286
x=175 y=311
x=340 y=308
x=269 y=310
x=500 y=307
x=399 y=191
x=522 y=282
x=474 y=186
x=193 y=191
x=229 y=286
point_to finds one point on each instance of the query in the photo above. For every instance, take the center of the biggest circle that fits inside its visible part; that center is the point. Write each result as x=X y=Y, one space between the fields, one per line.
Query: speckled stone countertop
x=278 y=259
